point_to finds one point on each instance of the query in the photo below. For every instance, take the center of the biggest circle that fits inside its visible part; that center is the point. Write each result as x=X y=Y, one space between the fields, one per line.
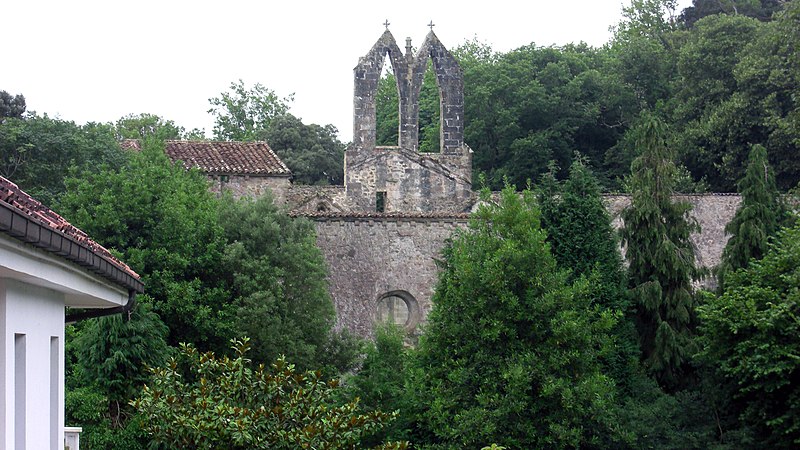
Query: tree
x=312 y=152
x=387 y=111
x=114 y=353
x=579 y=228
x=757 y=218
x=535 y=104
x=380 y=383
x=511 y=351
x=661 y=257
x=583 y=241
x=716 y=122
x=277 y=275
x=38 y=153
x=164 y=222
x=761 y=10
x=750 y=335
x=243 y=113
x=226 y=403
x=11 y=106
x=654 y=19
x=768 y=76
x=142 y=126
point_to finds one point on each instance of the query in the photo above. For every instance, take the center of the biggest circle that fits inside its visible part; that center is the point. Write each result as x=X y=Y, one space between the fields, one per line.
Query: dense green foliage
x=164 y=222
x=277 y=276
x=381 y=382
x=143 y=126
x=213 y=269
x=37 y=152
x=241 y=114
x=510 y=354
x=757 y=218
x=722 y=76
x=660 y=256
x=114 y=352
x=201 y=401
x=532 y=341
x=583 y=241
x=313 y=152
x=751 y=335
x=11 y=106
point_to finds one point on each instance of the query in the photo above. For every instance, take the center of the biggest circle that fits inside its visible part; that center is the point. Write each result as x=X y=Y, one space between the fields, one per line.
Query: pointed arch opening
x=387 y=107
x=430 y=112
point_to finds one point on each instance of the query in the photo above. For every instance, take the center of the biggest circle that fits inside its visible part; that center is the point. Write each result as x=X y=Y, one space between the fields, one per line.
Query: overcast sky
x=100 y=60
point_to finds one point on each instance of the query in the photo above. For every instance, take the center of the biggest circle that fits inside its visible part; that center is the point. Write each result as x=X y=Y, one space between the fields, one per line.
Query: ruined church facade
x=383 y=231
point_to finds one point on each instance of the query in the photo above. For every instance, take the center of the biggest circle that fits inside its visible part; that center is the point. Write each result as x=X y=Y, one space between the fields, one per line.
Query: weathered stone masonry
x=382 y=232
x=403 y=178
x=368 y=257
x=424 y=197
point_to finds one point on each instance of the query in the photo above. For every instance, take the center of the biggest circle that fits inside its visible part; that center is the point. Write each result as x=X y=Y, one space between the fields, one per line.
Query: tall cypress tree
x=579 y=229
x=583 y=241
x=757 y=218
x=656 y=233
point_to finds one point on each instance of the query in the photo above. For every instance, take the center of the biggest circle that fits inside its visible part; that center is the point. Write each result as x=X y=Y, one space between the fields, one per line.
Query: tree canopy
x=661 y=258
x=510 y=354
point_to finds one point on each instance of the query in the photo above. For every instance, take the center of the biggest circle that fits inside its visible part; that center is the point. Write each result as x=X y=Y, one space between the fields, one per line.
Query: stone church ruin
x=382 y=231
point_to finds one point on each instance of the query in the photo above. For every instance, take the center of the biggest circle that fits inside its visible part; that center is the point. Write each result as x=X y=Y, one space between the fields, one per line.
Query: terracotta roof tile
x=31 y=217
x=223 y=157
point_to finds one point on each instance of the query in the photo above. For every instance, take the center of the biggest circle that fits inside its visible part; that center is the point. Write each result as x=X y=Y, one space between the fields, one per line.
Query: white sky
x=97 y=61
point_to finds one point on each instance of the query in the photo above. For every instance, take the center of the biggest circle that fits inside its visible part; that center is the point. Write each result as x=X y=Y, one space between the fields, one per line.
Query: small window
x=380 y=202
x=398 y=308
x=393 y=309
x=223 y=178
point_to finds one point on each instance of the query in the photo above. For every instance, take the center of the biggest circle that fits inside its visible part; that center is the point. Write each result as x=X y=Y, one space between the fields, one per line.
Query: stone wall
x=373 y=255
x=712 y=212
x=251 y=186
x=370 y=257
x=411 y=181
x=399 y=178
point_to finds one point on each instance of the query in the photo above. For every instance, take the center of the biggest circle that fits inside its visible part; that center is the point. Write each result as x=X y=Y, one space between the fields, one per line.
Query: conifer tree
x=583 y=241
x=757 y=218
x=656 y=233
x=579 y=230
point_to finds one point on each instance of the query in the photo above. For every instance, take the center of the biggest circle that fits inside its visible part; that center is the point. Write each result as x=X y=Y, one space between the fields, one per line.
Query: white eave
x=82 y=289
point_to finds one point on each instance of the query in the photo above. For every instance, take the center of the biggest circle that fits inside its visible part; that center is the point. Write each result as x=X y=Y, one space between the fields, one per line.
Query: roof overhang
x=21 y=227
x=81 y=288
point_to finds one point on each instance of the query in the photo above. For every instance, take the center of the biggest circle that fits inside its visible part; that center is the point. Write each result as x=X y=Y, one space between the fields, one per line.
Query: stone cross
x=386 y=24
x=431 y=25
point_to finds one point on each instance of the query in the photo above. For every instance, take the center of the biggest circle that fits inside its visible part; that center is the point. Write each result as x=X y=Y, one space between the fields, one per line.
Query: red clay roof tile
x=19 y=203
x=228 y=157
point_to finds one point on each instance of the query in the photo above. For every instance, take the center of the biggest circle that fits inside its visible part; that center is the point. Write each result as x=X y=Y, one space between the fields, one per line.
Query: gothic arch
x=450 y=81
x=409 y=72
x=367 y=75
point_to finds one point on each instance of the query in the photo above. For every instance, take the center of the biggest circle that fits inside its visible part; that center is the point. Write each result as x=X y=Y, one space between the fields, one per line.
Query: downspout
x=125 y=309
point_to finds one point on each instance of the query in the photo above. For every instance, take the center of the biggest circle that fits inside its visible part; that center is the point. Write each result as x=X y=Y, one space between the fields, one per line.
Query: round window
x=393 y=309
x=396 y=307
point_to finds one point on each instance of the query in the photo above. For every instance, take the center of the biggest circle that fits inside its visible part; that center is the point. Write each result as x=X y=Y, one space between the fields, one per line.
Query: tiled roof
x=26 y=219
x=220 y=157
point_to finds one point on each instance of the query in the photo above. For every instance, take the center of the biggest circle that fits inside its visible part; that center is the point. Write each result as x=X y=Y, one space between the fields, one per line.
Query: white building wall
x=31 y=324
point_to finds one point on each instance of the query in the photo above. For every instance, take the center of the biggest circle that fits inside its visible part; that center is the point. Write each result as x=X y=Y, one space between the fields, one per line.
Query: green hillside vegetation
x=540 y=336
